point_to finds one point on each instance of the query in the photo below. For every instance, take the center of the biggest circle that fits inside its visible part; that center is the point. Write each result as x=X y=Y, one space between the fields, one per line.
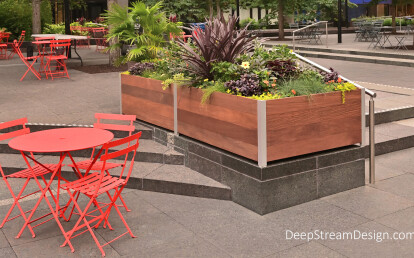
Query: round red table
x=61 y=140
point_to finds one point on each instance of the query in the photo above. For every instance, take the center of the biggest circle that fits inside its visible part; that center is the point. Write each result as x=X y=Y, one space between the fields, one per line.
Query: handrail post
x=371 y=141
x=326 y=26
x=294 y=41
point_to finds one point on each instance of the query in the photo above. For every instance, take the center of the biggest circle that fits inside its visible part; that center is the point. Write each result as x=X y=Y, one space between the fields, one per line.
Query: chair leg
x=16 y=203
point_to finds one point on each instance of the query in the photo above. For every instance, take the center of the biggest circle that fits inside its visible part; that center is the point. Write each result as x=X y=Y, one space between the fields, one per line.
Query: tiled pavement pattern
x=180 y=226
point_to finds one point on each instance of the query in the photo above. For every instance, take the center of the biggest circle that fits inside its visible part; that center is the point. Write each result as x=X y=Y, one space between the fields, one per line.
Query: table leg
x=43 y=195
x=80 y=58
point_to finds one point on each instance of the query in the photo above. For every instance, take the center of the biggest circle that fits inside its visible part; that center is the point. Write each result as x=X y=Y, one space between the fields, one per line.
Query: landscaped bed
x=234 y=94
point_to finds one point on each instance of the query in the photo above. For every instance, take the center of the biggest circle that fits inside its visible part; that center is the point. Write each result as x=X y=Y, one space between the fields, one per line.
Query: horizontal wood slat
x=302 y=125
x=226 y=121
x=146 y=99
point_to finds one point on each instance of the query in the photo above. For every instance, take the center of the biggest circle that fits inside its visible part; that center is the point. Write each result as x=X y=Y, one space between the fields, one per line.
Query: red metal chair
x=4 y=42
x=16 y=49
x=38 y=171
x=43 y=49
x=19 y=42
x=59 y=53
x=99 y=36
x=84 y=31
x=85 y=164
x=98 y=183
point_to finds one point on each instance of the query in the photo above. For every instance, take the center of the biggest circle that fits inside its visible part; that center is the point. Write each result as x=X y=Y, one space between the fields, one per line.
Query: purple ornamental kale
x=139 y=68
x=247 y=85
x=332 y=76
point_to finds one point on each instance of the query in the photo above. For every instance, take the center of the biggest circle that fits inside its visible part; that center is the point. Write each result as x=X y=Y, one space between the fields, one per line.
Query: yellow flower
x=291 y=51
x=245 y=65
x=206 y=80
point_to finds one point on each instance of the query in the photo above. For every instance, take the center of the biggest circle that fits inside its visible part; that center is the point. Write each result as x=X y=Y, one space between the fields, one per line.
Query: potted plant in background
x=144 y=29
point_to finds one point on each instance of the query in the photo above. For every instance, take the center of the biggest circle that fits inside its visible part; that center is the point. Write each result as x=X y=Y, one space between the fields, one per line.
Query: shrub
x=387 y=22
x=253 y=24
x=16 y=16
x=54 y=28
x=331 y=76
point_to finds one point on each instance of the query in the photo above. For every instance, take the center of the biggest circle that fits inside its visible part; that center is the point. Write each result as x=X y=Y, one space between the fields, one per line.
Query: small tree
x=144 y=28
x=36 y=20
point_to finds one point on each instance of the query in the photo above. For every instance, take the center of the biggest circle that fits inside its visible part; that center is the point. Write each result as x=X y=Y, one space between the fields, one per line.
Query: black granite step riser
x=158 y=186
x=389 y=116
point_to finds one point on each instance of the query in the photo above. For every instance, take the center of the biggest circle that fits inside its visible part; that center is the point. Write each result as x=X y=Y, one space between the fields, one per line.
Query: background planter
x=262 y=131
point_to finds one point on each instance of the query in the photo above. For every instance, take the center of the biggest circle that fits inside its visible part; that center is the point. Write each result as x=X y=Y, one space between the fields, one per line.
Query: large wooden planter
x=274 y=129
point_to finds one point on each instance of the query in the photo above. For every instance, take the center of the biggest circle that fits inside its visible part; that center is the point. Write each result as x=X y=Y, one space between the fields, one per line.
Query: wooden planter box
x=275 y=129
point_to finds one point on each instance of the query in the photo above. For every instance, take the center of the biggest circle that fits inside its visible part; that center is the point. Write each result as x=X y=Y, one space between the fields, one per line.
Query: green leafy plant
x=303 y=86
x=218 y=42
x=54 y=28
x=143 y=27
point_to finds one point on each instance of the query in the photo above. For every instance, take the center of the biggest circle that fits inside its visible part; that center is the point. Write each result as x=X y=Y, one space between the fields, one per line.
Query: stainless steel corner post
x=371 y=141
x=261 y=134
x=175 y=109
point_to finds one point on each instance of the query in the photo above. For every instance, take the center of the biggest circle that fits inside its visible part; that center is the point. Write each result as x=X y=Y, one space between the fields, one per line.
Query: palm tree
x=145 y=28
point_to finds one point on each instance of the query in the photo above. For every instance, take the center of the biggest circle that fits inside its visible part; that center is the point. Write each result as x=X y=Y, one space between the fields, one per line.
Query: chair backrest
x=44 y=38
x=9 y=128
x=21 y=38
x=17 y=49
x=99 y=32
x=132 y=143
x=4 y=37
x=117 y=117
x=60 y=46
x=12 y=129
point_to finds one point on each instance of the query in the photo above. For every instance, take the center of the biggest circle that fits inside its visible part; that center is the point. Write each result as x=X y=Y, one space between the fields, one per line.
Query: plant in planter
x=237 y=79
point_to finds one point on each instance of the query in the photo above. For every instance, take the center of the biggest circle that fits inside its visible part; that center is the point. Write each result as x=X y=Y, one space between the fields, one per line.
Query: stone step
x=369 y=52
x=359 y=58
x=148 y=151
x=165 y=178
x=394 y=136
x=147 y=133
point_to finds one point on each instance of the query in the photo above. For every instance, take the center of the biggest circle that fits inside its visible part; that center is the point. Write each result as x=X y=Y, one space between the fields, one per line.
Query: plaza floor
x=179 y=226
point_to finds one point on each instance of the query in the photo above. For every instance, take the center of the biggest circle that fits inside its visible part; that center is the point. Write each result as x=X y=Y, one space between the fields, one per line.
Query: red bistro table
x=63 y=141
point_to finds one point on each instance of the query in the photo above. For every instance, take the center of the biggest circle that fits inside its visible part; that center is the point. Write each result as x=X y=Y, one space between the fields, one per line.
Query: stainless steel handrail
x=307 y=27
x=371 y=116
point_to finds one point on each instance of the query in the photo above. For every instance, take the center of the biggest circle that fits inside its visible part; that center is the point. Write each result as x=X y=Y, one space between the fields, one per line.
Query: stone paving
x=179 y=226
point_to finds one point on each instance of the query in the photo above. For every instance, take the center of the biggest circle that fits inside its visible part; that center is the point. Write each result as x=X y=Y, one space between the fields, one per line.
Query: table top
x=59 y=36
x=61 y=140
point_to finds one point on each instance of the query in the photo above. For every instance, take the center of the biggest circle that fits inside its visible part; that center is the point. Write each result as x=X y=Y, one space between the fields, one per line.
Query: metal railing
x=371 y=116
x=310 y=26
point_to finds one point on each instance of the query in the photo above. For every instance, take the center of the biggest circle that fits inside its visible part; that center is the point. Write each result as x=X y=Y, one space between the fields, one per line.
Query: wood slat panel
x=302 y=125
x=226 y=121
x=146 y=99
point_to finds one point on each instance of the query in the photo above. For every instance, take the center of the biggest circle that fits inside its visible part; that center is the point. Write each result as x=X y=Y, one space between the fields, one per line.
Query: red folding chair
x=43 y=49
x=99 y=36
x=4 y=42
x=26 y=60
x=19 y=43
x=98 y=183
x=59 y=53
x=27 y=174
x=85 y=164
